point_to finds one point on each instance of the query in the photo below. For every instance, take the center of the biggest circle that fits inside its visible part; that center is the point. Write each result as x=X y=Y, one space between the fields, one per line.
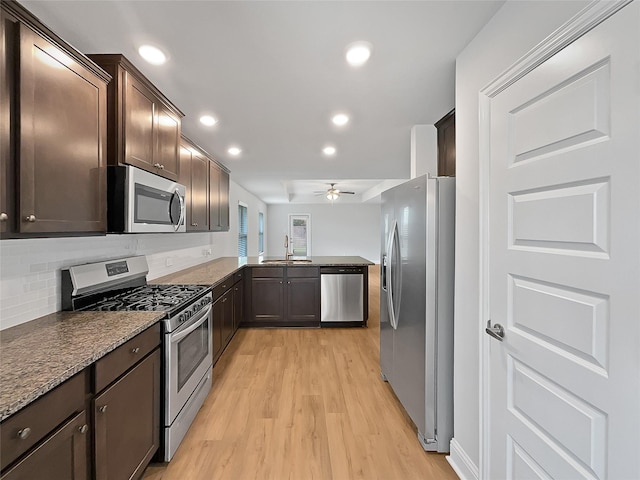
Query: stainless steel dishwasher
x=342 y=296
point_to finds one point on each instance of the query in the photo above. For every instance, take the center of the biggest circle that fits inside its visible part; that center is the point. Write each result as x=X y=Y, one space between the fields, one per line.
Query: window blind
x=260 y=233
x=242 y=231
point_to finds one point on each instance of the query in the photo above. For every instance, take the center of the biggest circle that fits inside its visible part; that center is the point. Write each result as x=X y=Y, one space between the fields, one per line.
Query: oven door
x=188 y=355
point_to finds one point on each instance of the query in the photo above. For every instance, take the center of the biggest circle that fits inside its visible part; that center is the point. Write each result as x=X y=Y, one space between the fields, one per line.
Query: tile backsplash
x=30 y=269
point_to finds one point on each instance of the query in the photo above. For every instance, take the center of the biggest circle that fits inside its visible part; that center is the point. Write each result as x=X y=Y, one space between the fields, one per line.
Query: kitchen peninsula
x=273 y=292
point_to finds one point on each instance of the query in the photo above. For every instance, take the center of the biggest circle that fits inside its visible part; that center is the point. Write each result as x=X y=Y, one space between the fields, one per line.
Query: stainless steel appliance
x=341 y=296
x=187 y=345
x=416 y=303
x=141 y=202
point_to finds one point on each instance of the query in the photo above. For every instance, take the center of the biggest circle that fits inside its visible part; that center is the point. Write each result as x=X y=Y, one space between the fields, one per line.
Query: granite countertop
x=39 y=355
x=215 y=271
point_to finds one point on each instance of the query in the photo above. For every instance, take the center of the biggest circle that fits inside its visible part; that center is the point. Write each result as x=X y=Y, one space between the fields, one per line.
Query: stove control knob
x=204 y=301
x=181 y=318
x=188 y=314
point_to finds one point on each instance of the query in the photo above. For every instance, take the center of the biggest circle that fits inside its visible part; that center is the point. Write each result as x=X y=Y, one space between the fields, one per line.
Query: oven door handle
x=183 y=333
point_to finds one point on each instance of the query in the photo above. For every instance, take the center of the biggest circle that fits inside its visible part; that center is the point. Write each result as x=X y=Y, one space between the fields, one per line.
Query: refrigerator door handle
x=383 y=272
x=390 y=275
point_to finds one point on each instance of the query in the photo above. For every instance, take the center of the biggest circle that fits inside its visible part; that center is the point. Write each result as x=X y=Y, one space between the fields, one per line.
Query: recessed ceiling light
x=235 y=151
x=340 y=119
x=329 y=150
x=208 y=120
x=152 y=54
x=358 y=53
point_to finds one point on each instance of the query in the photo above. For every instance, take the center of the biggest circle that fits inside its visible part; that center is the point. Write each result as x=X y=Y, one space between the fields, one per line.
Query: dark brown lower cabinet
x=222 y=322
x=127 y=422
x=303 y=300
x=62 y=455
x=238 y=304
x=284 y=296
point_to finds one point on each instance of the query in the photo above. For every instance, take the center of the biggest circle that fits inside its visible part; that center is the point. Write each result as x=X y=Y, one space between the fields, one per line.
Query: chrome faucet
x=287 y=255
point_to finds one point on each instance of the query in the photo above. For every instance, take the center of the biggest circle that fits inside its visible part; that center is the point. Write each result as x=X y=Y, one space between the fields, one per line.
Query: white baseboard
x=461 y=463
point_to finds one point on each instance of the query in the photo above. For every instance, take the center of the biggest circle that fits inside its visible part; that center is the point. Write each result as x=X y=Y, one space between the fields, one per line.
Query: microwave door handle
x=181 y=219
x=184 y=333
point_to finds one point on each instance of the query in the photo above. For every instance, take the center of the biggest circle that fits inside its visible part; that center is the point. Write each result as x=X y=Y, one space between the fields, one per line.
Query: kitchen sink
x=283 y=261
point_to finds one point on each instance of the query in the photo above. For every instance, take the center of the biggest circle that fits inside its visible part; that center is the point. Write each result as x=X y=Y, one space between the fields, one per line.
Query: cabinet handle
x=157 y=165
x=103 y=408
x=289 y=283
x=4 y=217
x=83 y=429
x=161 y=167
x=224 y=299
x=135 y=350
x=194 y=224
x=30 y=218
x=24 y=433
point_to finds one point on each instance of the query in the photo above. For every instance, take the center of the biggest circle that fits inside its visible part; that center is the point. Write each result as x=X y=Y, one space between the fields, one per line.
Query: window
x=300 y=235
x=242 y=230
x=260 y=233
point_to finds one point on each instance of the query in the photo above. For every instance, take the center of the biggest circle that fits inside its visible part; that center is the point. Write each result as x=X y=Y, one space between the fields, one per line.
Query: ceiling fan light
x=332 y=196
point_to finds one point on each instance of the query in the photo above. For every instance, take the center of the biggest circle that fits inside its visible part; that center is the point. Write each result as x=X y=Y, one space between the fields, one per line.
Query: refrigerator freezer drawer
x=341 y=297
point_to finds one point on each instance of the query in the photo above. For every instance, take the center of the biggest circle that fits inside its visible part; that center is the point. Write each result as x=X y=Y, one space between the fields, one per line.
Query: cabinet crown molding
x=118 y=59
x=24 y=16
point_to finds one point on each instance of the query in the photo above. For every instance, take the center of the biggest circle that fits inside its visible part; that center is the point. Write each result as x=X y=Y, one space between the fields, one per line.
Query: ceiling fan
x=333 y=193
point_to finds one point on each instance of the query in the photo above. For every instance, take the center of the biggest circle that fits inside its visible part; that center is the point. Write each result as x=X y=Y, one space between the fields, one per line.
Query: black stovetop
x=169 y=298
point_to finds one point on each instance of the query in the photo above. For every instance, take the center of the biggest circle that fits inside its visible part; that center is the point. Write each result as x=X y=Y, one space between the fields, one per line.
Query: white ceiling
x=273 y=72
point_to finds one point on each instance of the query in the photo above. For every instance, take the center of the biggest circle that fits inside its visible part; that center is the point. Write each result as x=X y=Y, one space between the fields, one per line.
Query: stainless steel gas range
x=187 y=345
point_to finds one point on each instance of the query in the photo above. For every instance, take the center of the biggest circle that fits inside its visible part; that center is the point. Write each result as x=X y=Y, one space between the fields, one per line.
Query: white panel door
x=564 y=262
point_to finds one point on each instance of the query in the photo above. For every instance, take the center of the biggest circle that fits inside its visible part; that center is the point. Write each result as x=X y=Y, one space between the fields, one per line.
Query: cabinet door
x=447 y=145
x=218 y=321
x=127 y=422
x=223 y=200
x=185 y=179
x=63 y=454
x=267 y=300
x=199 y=193
x=62 y=141
x=7 y=182
x=227 y=319
x=303 y=300
x=139 y=105
x=214 y=196
x=167 y=142
x=238 y=304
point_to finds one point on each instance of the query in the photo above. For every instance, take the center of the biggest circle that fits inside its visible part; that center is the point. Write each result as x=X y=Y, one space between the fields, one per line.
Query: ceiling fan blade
x=347 y=193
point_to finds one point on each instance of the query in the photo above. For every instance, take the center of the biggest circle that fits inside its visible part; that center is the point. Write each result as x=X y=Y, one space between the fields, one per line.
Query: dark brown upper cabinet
x=143 y=127
x=446 y=127
x=194 y=174
x=218 y=198
x=52 y=134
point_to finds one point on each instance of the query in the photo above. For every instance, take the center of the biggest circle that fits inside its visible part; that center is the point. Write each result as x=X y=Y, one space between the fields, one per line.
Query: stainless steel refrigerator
x=416 y=303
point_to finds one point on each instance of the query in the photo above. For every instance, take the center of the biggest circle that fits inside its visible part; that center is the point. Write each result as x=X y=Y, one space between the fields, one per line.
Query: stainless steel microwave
x=141 y=202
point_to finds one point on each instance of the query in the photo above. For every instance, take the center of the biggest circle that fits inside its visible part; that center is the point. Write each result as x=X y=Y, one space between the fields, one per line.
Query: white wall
x=338 y=229
x=515 y=29
x=30 y=269
x=227 y=242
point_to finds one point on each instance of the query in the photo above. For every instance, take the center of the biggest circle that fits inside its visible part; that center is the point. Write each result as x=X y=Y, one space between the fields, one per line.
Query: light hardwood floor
x=303 y=404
